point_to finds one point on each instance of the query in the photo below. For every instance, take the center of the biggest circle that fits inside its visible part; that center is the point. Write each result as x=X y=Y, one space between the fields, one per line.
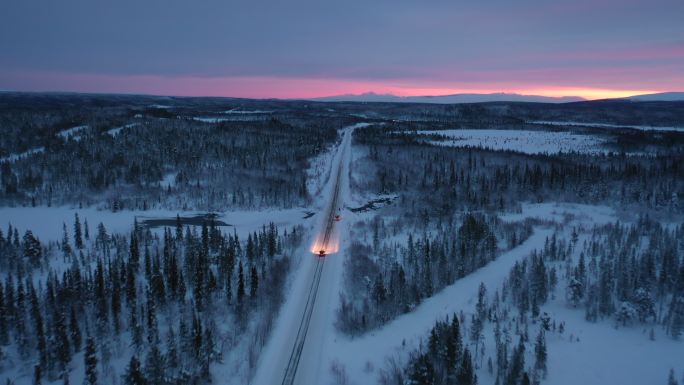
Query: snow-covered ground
x=169 y=180
x=230 y=117
x=210 y=119
x=581 y=214
x=525 y=141
x=238 y=111
x=117 y=130
x=46 y=222
x=602 y=354
x=312 y=368
x=72 y=132
x=604 y=125
x=25 y=154
x=587 y=353
x=363 y=356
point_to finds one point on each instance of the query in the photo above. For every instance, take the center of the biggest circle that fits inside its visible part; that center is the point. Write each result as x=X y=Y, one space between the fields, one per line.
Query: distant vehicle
x=337 y=217
x=321 y=253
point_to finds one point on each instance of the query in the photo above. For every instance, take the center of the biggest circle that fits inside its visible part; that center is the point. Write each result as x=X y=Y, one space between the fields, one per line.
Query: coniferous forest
x=161 y=240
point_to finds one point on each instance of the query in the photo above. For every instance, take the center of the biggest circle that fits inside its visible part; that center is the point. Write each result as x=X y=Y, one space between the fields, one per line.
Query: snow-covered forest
x=153 y=240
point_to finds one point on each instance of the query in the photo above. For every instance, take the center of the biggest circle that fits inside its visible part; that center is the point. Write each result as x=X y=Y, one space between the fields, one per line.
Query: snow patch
x=117 y=130
x=71 y=133
x=22 y=155
x=525 y=141
x=604 y=125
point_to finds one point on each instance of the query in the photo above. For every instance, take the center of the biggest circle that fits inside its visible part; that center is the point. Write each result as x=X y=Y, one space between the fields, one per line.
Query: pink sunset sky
x=303 y=49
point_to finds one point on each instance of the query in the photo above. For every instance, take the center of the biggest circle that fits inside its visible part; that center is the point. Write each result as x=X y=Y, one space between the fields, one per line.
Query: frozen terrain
x=25 y=154
x=605 y=125
x=528 y=142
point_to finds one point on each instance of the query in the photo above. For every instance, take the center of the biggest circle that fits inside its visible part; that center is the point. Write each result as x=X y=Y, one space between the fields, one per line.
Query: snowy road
x=292 y=355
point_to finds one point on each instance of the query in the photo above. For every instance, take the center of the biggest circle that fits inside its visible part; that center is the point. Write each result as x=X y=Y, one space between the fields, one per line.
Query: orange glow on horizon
x=586 y=93
x=259 y=87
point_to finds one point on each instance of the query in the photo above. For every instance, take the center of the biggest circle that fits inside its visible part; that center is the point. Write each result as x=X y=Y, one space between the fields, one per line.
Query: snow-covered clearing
x=363 y=356
x=596 y=354
x=230 y=118
x=169 y=180
x=210 y=119
x=580 y=214
x=46 y=222
x=604 y=125
x=238 y=111
x=72 y=132
x=606 y=355
x=525 y=141
x=117 y=130
x=25 y=154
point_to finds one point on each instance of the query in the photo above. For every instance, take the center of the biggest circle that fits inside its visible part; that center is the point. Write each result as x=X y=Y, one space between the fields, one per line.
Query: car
x=337 y=217
x=321 y=253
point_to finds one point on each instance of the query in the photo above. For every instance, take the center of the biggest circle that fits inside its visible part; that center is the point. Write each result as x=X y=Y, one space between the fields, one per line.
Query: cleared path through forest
x=293 y=352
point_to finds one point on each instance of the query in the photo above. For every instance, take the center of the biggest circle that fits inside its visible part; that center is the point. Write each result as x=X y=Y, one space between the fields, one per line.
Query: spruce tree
x=61 y=341
x=78 y=238
x=253 y=282
x=75 y=331
x=155 y=366
x=466 y=372
x=90 y=361
x=134 y=374
x=241 y=284
x=540 y=354
x=671 y=380
x=4 y=313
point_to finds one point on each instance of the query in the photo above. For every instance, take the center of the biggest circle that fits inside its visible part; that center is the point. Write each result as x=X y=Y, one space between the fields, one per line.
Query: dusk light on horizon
x=306 y=49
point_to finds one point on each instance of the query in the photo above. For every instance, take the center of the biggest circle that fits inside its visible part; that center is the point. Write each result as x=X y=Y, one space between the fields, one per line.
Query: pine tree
x=517 y=364
x=540 y=354
x=671 y=380
x=379 y=290
x=75 y=331
x=155 y=366
x=466 y=372
x=134 y=259
x=454 y=345
x=78 y=238
x=32 y=249
x=38 y=327
x=136 y=329
x=241 y=284
x=481 y=307
x=61 y=341
x=421 y=371
x=4 y=314
x=172 y=358
x=253 y=282
x=90 y=361
x=134 y=374
x=66 y=247
x=37 y=375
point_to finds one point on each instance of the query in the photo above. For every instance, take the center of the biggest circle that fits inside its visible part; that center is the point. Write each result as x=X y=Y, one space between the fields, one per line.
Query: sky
x=311 y=48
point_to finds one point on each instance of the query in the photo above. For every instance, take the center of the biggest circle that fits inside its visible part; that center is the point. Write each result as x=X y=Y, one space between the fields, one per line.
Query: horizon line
x=329 y=96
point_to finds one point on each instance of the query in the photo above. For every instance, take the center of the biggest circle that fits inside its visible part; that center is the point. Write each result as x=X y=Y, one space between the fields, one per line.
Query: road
x=295 y=350
x=323 y=245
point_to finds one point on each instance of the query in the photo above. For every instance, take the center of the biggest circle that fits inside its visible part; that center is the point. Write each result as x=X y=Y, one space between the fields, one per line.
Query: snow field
x=525 y=141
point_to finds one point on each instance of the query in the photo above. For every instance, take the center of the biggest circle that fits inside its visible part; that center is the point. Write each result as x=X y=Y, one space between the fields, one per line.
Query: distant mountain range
x=480 y=98
x=448 y=99
x=660 y=97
